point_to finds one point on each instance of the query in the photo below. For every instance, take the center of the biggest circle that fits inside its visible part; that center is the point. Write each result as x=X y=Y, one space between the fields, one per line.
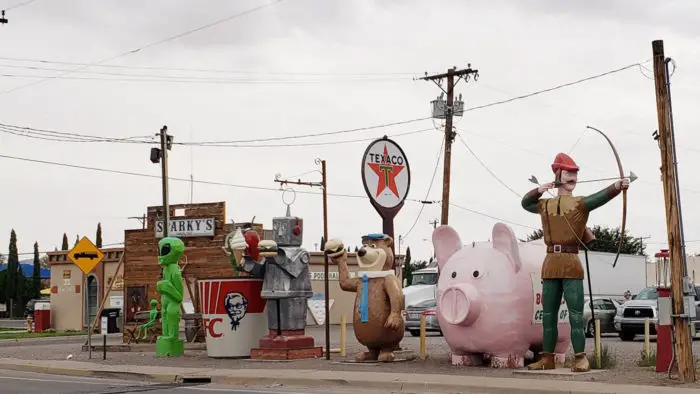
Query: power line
x=12 y=7
x=557 y=87
x=492 y=217
x=50 y=135
x=487 y=168
x=208 y=70
x=97 y=169
x=237 y=15
x=427 y=193
x=175 y=79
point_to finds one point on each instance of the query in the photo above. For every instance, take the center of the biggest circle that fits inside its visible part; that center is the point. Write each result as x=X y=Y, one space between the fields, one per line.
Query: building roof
x=28 y=269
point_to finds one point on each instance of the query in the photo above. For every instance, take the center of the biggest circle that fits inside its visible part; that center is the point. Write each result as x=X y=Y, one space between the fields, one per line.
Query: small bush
x=647 y=360
x=607 y=359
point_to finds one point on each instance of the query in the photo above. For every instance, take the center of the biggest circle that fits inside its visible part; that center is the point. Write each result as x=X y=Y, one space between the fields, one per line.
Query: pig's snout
x=460 y=304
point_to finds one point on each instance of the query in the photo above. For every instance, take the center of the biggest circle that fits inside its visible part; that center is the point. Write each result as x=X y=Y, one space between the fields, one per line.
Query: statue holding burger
x=284 y=267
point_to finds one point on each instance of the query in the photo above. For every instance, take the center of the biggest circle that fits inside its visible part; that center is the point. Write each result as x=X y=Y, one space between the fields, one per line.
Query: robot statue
x=284 y=266
x=152 y=317
x=170 y=290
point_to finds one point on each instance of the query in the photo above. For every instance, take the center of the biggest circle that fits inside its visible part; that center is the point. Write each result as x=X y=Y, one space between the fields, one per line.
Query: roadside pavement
x=319 y=379
x=13 y=323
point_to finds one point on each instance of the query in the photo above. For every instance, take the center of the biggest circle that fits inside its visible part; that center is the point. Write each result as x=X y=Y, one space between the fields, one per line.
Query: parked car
x=629 y=321
x=605 y=310
x=413 y=313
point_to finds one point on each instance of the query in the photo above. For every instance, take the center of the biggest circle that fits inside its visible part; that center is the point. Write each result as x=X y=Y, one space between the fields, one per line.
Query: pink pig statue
x=486 y=302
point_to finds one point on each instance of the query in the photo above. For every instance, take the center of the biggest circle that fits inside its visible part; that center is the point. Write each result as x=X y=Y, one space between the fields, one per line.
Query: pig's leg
x=467 y=359
x=370 y=355
x=514 y=358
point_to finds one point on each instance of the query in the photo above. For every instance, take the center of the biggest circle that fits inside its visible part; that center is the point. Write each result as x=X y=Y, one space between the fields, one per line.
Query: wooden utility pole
x=679 y=280
x=324 y=185
x=449 y=132
x=160 y=155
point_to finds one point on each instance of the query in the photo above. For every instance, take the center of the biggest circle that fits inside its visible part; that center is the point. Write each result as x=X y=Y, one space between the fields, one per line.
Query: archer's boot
x=546 y=362
x=580 y=363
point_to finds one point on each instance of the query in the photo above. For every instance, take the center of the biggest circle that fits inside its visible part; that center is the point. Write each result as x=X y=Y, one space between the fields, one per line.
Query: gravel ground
x=625 y=371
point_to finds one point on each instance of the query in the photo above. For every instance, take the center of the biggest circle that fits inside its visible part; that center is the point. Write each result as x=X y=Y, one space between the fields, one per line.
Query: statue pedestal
x=169 y=347
x=289 y=345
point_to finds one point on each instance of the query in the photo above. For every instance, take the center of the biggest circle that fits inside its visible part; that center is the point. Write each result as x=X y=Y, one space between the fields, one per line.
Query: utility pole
x=680 y=283
x=442 y=110
x=324 y=185
x=434 y=223
x=161 y=155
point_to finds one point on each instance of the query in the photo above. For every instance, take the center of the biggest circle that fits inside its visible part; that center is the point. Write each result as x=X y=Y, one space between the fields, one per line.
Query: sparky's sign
x=187 y=227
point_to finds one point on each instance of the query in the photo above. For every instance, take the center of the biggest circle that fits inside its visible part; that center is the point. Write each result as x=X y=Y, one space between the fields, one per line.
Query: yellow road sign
x=85 y=255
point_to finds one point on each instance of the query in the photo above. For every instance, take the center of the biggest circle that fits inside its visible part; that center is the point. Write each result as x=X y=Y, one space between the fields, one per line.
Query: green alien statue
x=152 y=316
x=170 y=290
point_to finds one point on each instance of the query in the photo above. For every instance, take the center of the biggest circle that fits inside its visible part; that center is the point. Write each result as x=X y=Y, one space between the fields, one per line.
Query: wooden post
x=343 y=334
x=597 y=344
x=422 y=337
x=104 y=299
x=684 y=351
x=646 y=338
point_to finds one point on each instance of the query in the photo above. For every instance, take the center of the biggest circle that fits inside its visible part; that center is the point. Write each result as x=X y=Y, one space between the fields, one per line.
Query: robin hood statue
x=564 y=220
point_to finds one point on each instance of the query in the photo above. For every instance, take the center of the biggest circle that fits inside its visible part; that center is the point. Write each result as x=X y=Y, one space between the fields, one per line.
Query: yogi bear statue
x=564 y=220
x=170 y=290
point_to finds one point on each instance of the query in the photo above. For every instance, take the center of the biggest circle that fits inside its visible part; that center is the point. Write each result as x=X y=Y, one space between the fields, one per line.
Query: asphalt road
x=12 y=382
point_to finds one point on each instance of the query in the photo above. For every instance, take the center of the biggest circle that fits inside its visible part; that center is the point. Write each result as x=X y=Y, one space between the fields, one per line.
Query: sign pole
x=104 y=337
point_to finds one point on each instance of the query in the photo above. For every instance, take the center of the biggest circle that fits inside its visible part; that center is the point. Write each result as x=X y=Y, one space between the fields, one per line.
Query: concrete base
x=286 y=354
x=557 y=372
x=399 y=356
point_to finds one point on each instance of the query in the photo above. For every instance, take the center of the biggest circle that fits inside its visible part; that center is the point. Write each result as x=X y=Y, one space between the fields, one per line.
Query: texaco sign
x=385 y=174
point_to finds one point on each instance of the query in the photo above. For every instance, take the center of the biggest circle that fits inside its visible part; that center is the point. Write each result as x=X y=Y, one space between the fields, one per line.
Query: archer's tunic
x=564 y=221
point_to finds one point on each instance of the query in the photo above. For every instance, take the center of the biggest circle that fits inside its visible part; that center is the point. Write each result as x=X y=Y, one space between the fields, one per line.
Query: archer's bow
x=624 y=193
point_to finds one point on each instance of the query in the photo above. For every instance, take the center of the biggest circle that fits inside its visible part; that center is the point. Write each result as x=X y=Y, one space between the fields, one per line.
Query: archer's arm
x=596 y=200
x=531 y=201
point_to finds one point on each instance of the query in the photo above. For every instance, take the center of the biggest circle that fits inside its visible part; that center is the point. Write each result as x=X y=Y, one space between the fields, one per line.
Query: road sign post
x=104 y=337
x=85 y=255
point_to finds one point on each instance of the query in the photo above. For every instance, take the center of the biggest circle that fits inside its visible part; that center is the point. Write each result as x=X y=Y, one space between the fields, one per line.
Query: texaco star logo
x=387 y=173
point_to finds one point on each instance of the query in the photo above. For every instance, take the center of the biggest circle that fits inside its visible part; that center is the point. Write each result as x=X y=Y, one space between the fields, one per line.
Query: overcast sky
x=359 y=57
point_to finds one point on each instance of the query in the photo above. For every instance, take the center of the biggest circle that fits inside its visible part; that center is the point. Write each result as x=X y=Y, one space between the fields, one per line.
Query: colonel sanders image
x=236 y=308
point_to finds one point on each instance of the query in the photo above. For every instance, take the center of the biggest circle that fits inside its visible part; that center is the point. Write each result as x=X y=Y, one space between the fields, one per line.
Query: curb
x=161 y=378
x=395 y=386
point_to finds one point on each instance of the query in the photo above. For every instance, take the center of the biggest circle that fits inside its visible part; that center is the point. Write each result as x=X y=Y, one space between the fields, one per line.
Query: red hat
x=564 y=162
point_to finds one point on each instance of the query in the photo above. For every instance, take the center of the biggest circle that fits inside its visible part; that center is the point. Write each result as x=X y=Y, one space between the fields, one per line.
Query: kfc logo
x=236 y=307
x=209 y=325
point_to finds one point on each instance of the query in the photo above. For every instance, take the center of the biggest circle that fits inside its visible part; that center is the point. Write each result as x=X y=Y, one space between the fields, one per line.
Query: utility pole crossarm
x=453 y=71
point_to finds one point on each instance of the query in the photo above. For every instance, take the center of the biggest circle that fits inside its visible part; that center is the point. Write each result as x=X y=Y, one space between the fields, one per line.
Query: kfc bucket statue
x=233 y=314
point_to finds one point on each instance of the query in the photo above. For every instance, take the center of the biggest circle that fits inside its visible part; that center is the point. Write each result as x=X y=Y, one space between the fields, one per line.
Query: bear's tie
x=364 y=300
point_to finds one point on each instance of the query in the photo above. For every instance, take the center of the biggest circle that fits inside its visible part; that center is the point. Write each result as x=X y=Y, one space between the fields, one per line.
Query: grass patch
x=24 y=334
x=10 y=329
x=647 y=360
x=607 y=359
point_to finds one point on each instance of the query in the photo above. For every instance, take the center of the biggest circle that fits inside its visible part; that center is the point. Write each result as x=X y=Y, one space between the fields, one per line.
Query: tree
x=64 y=245
x=537 y=234
x=12 y=277
x=357 y=249
x=36 y=273
x=98 y=236
x=323 y=243
x=3 y=260
x=77 y=239
x=408 y=256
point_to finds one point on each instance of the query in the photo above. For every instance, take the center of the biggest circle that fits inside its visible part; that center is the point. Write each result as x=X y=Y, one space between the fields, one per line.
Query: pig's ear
x=446 y=242
x=504 y=241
